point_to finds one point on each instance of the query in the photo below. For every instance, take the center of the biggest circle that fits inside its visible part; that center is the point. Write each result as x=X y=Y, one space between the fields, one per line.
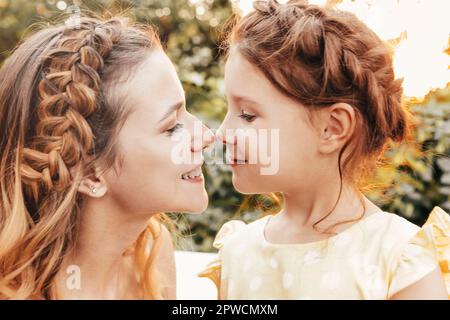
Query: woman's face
x=256 y=107
x=150 y=178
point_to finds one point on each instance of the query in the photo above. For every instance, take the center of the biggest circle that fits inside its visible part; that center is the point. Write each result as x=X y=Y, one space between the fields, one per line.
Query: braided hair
x=59 y=115
x=320 y=56
x=68 y=94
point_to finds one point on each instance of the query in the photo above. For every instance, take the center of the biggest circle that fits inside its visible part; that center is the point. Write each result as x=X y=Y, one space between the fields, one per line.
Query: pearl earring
x=93 y=189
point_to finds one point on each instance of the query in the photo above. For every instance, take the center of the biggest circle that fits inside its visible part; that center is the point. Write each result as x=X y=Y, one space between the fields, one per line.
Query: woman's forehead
x=155 y=85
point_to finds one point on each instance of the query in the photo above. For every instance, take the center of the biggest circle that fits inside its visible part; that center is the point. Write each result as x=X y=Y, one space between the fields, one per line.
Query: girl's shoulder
x=390 y=227
x=392 y=234
x=419 y=250
x=238 y=231
x=387 y=223
x=379 y=227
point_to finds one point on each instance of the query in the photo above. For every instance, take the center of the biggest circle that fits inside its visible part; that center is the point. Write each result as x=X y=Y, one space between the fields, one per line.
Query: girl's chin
x=242 y=185
x=245 y=187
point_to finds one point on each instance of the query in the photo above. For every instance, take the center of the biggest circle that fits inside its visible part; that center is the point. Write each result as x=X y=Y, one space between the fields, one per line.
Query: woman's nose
x=203 y=139
x=208 y=137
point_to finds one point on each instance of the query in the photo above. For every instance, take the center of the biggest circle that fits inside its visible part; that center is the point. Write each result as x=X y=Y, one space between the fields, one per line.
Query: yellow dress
x=373 y=259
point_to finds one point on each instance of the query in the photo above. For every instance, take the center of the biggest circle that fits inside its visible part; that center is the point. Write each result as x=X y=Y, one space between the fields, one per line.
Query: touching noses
x=225 y=134
x=202 y=138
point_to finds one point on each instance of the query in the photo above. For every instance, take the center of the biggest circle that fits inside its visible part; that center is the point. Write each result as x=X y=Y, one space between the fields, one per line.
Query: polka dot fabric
x=373 y=259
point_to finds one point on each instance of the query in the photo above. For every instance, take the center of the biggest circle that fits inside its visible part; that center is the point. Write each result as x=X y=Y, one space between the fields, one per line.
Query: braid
x=365 y=71
x=63 y=124
x=68 y=95
x=357 y=69
x=319 y=57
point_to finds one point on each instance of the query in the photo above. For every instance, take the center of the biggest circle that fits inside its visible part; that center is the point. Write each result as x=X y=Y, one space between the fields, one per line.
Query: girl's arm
x=430 y=287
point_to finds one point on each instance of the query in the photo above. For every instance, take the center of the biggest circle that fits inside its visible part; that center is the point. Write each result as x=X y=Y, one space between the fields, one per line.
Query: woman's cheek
x=137 y=178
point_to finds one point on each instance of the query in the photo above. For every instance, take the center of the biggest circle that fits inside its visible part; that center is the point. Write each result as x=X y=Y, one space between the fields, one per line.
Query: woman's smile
x=193 y=176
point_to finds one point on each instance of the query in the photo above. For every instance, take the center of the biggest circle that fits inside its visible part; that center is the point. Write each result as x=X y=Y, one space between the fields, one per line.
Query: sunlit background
x=191 y=31
x=416 y=180
x=419 y=29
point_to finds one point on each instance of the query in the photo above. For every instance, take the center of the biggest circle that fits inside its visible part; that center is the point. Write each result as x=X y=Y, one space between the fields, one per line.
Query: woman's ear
x=337 y=127
x=93 y=185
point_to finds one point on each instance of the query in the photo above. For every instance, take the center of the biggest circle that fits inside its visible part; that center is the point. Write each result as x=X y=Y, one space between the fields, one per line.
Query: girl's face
x=255 y=105
x=150 y=178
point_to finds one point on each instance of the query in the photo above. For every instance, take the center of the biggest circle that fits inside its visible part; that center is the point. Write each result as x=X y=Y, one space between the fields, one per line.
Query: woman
x=89 y=116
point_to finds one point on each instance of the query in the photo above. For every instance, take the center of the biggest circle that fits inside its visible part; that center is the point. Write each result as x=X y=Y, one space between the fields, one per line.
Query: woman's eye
x=172 y=130
x=247 y=117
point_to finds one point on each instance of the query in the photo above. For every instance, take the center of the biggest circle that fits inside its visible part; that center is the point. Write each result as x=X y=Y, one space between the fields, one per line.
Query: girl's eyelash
x=247 y=117
x=174 y=128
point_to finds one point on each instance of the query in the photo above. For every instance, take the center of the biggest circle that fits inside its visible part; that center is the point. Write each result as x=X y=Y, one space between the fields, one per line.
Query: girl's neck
x=297 y=222
x=305 y=208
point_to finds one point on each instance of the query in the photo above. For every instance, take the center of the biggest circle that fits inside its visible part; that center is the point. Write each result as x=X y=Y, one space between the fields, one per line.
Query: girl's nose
x=227 y=138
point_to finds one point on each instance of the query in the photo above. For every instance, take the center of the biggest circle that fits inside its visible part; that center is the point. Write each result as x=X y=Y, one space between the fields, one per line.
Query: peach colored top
x=373 y=259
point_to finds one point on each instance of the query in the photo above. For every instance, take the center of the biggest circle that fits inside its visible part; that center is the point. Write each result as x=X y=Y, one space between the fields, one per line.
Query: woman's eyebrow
x=171 y=110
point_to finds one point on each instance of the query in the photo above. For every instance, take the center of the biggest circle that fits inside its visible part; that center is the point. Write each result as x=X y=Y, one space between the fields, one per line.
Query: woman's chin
x=196 y=204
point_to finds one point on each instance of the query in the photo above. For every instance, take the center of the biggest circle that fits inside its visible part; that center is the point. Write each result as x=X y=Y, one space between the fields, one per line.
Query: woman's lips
x=198 y=179
x=194 y=175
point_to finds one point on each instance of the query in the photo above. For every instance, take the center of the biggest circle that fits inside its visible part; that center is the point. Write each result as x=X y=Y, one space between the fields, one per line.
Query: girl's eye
x=247 y=117
x=172 y=130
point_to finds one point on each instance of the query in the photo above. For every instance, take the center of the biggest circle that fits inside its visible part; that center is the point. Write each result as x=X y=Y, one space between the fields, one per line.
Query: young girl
x=87 y=117
x=325 y=83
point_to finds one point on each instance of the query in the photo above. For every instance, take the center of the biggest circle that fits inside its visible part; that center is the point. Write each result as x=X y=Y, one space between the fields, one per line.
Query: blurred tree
x=189 y=30
x=418 y=179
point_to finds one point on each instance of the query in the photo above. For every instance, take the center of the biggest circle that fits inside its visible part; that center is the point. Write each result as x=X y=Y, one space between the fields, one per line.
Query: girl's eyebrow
x=171 y=110
x=247 y=100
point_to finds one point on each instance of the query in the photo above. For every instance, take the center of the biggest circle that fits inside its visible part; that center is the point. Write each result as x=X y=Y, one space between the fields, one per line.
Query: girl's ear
x=93 y=185
x=338 y=125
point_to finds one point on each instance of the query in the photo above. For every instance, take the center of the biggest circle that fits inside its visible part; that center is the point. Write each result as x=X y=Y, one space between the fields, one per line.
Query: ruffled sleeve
x=439 y=224
x=214 y=268
x=427 y=249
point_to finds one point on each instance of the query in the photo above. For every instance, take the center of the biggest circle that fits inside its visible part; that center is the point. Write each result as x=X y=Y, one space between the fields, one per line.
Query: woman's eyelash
x=247 y=117
x=174 y=128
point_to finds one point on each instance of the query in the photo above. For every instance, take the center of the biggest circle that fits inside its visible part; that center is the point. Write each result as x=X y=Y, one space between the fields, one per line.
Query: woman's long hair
x=60 y=115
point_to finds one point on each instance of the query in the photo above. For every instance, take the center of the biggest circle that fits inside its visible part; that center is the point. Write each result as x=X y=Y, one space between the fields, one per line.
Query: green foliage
x=418 y=178
x=190 y=33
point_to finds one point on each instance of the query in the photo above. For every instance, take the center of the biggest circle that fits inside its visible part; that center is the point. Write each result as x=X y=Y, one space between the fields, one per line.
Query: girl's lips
x=237 y=162
x=231 y=160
